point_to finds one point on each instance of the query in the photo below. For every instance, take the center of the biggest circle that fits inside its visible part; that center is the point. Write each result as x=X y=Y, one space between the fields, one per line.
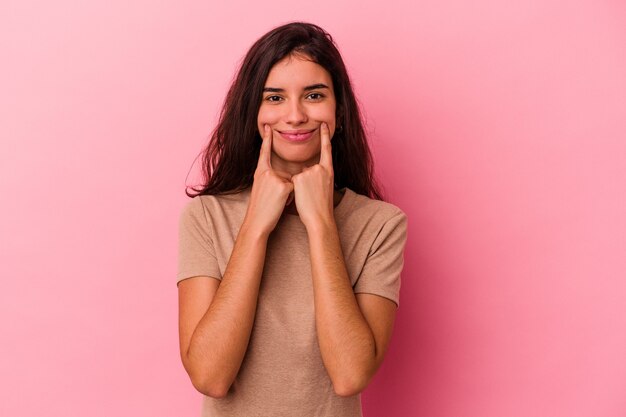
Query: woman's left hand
x=314 y=187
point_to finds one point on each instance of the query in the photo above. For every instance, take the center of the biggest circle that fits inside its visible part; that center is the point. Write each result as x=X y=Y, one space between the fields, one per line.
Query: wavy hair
x=230 y=158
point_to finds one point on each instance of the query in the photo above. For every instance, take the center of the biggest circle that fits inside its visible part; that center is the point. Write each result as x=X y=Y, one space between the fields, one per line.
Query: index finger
x=266 y=149
x=326 y=154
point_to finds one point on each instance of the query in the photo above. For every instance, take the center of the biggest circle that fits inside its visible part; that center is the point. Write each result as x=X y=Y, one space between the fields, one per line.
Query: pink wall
x=499 y=128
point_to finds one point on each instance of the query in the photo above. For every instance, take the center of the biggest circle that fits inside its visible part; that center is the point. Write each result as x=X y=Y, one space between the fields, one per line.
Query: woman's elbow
x=205 y=380
x=350 y=387
x=210 y=388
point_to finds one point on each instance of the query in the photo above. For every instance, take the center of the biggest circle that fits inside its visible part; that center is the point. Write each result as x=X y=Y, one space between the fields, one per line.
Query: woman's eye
x=313 y=96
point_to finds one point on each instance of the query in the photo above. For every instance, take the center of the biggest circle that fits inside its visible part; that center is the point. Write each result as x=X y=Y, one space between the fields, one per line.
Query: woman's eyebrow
x=307 y=88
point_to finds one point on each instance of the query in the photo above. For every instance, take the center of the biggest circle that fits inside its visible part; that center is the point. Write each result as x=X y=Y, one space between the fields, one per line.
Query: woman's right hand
x=270 y=191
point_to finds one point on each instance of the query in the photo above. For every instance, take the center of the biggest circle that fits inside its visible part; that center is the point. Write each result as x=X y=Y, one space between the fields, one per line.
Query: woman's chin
x=297 y=156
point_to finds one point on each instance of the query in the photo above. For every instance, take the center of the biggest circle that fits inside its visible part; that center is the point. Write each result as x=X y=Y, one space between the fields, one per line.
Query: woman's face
x=298 y=96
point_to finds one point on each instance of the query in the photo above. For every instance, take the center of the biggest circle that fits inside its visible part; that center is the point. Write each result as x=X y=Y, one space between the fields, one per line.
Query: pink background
x=499 y=128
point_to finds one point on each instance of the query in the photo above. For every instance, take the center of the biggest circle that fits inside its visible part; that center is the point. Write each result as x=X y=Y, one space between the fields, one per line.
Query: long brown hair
x=230 y=158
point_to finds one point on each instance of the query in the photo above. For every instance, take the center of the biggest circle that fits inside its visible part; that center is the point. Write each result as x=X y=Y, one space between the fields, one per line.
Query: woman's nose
x=296 y=113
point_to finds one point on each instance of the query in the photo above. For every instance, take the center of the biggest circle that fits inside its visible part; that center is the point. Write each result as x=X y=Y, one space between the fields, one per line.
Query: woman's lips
x=297 y=137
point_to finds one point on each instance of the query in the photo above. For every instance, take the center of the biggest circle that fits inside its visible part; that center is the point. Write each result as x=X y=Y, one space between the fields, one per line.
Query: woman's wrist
x=251 y=231
x=321 y=225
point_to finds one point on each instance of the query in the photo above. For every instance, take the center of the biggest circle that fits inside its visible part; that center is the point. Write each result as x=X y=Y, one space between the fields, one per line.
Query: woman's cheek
x=265 y=117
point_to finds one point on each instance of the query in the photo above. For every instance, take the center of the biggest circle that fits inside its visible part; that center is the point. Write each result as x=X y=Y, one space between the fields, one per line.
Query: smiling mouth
x=297 y=137
x=296 y=132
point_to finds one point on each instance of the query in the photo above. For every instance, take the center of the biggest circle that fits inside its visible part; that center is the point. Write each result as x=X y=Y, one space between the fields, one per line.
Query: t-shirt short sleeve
x=381 y=273
x=196 y=253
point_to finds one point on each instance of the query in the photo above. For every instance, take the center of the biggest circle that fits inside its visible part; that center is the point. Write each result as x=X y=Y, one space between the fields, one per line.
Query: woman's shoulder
x=231 y=197
x=370 y=207
x=370 y=218
x=216 y=204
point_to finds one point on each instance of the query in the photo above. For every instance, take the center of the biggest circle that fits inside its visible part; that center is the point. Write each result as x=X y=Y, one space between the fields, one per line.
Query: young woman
x=289 y=259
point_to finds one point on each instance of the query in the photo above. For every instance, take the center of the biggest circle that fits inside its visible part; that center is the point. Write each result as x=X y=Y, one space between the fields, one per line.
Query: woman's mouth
x=297 y=136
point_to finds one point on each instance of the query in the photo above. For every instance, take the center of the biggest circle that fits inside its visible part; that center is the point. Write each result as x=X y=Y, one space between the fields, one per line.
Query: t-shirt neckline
x=339 y=210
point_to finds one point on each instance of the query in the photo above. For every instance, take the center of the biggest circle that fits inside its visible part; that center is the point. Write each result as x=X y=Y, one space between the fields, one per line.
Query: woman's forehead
x=293 y=72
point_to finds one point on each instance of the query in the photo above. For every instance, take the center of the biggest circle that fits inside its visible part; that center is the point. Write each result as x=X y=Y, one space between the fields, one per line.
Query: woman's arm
x=353 y=330
x=215 y=323
x=215 y=329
